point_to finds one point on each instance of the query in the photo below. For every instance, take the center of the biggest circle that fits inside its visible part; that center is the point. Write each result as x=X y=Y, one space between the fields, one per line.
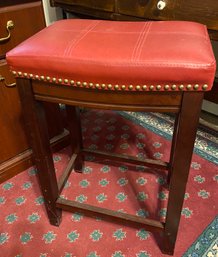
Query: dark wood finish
x=183 y=147
x=156 y=164
x=127 y=219
x=16 y=155
x=106 y=6
x=10 y=119
x=213 y=94
x=74 y=126
x=24 y=17
x=181 y=151
x=173 y=146
x=66 y=173
x=205 y=12
x=169 y=102
x=37 y=133
x=23 y=161
x=14 y=2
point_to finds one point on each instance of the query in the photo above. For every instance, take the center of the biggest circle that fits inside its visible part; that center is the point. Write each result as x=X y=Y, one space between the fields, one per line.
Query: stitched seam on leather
x=137 y=44
x=71 y=45
x=143 y=42
x=75 y=41
x=80 y=39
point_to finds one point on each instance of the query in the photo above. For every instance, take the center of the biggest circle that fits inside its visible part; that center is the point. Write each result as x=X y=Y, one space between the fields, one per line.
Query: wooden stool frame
x=186 y=105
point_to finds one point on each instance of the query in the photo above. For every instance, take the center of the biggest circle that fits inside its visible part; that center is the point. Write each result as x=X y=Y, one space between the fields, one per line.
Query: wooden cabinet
x=15 y=154
x=100 y=5
x=27 y=19
x=202 y=11
x=12 y=139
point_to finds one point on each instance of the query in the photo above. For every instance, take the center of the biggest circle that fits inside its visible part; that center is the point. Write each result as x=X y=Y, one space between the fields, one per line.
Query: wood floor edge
x=23 y=161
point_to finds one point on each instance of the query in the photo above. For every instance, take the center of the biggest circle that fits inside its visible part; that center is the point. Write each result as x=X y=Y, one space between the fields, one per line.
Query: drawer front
x=12 y=139
x=27 y=19
x=138 y=8
x=202 y=11
x=107 y=6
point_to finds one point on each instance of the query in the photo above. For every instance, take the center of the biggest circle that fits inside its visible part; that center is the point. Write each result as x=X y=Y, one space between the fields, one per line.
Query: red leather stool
x=134 y=66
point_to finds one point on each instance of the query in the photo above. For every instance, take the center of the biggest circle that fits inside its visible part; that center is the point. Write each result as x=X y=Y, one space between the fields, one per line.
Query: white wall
x=51 y=13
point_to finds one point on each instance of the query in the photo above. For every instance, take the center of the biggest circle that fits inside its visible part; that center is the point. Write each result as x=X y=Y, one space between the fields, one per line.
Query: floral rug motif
x=206 y=144
x=207 y=243
x=25 y=230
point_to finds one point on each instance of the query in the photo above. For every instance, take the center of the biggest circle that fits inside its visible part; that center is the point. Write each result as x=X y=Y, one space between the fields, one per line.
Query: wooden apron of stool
x=187 y=107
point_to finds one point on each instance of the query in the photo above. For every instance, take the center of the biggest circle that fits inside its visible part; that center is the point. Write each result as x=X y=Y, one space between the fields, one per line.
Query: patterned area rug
x=25 y=230
x=206 y=143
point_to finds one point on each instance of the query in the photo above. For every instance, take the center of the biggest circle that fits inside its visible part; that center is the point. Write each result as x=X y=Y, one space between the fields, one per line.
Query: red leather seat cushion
x=123 y=53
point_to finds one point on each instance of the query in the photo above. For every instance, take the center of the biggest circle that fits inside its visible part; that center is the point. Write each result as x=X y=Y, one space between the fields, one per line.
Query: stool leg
x=173 y=147
x=183 y=148
x=74 y=126
x=37 y=133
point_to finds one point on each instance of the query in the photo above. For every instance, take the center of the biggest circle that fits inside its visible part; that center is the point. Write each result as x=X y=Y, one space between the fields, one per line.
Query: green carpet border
x=206 y=244
x=162 y=124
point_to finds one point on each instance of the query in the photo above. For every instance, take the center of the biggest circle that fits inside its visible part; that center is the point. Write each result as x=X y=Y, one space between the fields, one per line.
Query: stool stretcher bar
x=157 y=164
x=128 y=219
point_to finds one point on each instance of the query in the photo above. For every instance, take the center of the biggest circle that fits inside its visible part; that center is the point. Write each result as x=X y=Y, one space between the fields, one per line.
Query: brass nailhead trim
x=181 y=87
x=138 y=87
x=189 y=87
x=204 y=87
x=110 y=86
x=196 y=87
x=173 y=87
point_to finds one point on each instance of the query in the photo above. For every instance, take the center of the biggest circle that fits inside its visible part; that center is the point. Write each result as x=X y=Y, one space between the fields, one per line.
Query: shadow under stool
x=131 y=66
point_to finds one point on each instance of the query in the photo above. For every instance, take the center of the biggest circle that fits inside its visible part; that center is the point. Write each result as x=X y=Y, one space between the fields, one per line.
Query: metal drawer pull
x=9 y=26
x=161 y=5
x=2 y=79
